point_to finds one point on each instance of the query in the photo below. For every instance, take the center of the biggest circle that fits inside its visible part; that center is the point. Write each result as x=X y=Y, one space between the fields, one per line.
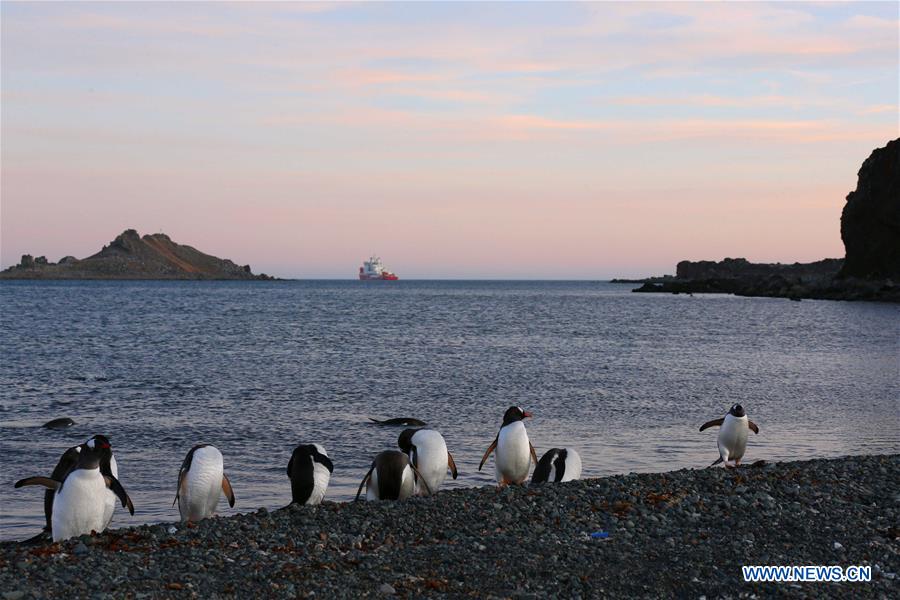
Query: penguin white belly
x=407 y=484
x=431 y=460
x=372 y=486
x=110 y=499
x=202 y=485
x=321 y=478
x=513 y=459
x=732 y=440
x=79 y=507
x=573 y=466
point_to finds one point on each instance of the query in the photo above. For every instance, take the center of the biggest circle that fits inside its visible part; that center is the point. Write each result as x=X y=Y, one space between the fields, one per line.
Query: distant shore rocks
x=870 y=228
x=130 y=256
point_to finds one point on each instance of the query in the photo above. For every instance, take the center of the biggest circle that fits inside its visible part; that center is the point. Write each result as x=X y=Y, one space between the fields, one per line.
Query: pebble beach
x=685 y=533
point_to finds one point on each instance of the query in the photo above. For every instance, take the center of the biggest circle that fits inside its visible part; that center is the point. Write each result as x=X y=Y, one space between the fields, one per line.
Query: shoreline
x=684 y=532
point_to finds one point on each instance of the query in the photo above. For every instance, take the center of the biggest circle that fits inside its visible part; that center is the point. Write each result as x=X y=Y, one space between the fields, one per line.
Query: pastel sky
x=482 y=140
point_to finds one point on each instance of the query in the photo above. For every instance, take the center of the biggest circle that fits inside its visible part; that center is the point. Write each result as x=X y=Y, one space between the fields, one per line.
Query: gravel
x=685 y=533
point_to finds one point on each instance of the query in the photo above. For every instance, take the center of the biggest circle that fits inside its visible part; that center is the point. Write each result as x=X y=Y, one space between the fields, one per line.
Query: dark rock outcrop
x=741 y=268
x=870 y=221
x=131 y=256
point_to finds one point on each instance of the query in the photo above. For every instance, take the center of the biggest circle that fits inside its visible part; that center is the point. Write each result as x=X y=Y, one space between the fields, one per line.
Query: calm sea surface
x=256 y=368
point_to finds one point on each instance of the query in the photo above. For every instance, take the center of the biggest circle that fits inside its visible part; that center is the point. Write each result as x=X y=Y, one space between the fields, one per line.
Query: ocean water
x=256 y=368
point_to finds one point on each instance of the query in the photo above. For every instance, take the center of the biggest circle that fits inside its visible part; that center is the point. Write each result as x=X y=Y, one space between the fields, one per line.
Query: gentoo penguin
x=556 y=465
x=733 y=433
x=514 y=450
x=427 y=451
x=408 y=421
x=79 y=502
x=66 y=463
x=200 y=481
x=310 y=470
x=60 y=423
x=391 y=477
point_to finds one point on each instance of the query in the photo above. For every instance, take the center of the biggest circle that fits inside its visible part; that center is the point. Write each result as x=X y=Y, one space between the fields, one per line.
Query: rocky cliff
x=131 y=256
x=870 y=222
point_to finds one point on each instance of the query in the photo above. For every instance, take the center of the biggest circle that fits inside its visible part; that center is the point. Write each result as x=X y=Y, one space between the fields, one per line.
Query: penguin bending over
x=200 y=481
x=310 y=471
x=733 y=433
x=427 y=451
x=514 y=449
x=557 y=465
x=391 y=477
x=79 y=500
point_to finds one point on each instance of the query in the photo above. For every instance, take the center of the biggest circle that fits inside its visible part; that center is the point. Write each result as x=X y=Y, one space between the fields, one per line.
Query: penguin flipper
x=713 y=423
x=452 y=464
x=421 y=479
x=753 y=426
x=487 y=452
x=44 y=481
x=376 y=421
x=113 y=484
x=718 y=460
x=533 y=454
x=364 y=480
x=226 y=487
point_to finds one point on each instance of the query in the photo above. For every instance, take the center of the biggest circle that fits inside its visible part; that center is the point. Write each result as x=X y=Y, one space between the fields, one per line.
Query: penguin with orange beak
x=514 y=450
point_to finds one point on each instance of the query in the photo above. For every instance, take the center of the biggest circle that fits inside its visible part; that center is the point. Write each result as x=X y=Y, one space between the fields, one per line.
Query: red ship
x=373 y=269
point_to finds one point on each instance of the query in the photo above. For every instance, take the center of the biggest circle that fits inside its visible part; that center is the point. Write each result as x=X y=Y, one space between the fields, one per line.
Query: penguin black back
x=554 y=459
x=390 y=465
x=301 y=470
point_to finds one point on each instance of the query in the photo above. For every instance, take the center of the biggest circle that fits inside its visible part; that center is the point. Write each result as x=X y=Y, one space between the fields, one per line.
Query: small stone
x=13 y=595
x=838 y=546
x=386 y=589
x=80 y=549
x=172 y=530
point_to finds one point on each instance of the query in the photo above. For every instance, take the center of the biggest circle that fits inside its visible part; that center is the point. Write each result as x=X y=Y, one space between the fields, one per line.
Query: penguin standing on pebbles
x=310 y=471
x=79 y=500
x=514 y=450
x=557 y=465
x=391 y=477
x=200 y=481
x=427 y=451
x=733 y=433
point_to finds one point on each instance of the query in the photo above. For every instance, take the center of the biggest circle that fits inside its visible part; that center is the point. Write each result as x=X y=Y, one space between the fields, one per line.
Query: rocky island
x=131 y=256
x=870 y=230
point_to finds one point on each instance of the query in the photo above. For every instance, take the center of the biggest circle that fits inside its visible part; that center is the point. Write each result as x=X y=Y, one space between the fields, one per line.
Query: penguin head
x=98 y=443
x=101 y=446
x=737 y=411
x=93 y=451
x=405 y=439
x=515 y=413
